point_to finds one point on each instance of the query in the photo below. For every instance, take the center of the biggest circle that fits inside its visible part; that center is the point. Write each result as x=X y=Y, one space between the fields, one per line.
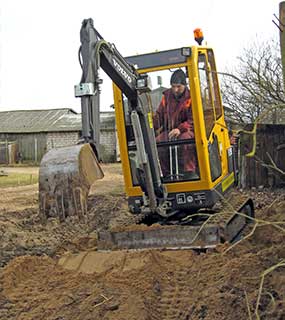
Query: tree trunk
x=282 y=36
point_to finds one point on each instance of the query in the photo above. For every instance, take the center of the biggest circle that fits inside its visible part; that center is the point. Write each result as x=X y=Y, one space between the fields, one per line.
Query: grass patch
x=19 y=165
x=18 y=179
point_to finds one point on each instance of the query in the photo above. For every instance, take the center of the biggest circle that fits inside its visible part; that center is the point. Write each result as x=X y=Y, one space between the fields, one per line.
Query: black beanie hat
x=178 y=77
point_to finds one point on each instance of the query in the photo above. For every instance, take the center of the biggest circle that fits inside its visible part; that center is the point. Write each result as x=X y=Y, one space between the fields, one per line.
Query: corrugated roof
x=48 y=120
x=24 y=121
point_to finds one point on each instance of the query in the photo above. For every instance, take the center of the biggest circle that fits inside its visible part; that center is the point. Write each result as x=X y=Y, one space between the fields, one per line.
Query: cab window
x=215 y=85
x=206 y=94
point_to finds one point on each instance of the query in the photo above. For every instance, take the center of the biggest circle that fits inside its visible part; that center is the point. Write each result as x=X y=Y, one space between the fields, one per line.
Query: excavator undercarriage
x=201 y=230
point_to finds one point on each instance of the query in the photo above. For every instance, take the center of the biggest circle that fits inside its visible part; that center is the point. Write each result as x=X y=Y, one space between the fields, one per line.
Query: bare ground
x=53 y=271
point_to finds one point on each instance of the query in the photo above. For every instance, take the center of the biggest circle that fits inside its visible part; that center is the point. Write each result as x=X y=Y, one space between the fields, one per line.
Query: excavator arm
x=66 y=174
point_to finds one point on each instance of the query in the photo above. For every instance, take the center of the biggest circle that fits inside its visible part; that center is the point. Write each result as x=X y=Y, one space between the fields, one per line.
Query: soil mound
x=225 y=283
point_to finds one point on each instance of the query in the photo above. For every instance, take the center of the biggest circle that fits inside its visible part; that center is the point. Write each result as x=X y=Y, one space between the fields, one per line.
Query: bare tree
x=257 y=84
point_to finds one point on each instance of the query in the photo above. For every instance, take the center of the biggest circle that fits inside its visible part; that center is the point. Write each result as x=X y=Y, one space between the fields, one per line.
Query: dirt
x=53 y=271
x=22 y=233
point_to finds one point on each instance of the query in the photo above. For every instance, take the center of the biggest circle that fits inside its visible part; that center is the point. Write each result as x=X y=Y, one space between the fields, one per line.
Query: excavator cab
x=195 y=168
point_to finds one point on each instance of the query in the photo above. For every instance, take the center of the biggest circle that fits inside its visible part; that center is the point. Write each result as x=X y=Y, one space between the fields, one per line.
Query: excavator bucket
x=65 y=177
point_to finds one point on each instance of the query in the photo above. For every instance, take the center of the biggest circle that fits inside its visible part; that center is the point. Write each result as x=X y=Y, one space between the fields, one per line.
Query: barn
x=29 y=134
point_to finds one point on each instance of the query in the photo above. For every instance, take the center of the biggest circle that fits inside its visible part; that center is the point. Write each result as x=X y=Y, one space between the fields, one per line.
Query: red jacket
x=174 y=113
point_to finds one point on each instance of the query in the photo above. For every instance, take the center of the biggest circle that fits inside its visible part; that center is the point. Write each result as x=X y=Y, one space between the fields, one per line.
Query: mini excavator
x=174 y=209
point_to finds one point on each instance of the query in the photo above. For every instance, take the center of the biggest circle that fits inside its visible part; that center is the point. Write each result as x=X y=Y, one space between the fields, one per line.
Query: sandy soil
x=53 y=271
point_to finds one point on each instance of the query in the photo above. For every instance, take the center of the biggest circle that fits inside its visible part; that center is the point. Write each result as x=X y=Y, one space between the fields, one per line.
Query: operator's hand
x=234 y=139
x=174 y=133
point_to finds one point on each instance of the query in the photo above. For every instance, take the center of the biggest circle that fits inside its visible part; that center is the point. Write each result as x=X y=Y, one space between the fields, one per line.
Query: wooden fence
x=8 y=152
x=31 y=146
x=270 y=143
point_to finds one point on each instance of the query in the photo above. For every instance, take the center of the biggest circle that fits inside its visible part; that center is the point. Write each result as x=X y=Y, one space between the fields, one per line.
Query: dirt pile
x=54 y=272
x=21 y=232
x=151 y=284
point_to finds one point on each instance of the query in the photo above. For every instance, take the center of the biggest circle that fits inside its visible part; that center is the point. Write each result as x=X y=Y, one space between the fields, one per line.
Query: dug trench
x=53 y=271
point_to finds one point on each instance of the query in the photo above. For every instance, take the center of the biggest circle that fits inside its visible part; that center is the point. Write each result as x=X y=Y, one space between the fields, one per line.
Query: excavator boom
x=66 y=174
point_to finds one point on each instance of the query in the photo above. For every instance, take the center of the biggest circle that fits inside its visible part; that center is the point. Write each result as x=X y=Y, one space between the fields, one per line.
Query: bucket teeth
x=66 y=175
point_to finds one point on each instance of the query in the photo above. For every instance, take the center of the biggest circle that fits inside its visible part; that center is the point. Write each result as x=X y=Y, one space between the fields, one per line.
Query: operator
x=173 y=120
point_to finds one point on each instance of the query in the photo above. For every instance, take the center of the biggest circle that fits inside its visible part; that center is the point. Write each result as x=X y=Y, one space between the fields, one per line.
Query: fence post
x=7 y=152
x=36 y=150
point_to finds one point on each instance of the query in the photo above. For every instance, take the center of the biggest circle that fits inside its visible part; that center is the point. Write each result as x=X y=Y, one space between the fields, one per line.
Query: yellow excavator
x=179 y=208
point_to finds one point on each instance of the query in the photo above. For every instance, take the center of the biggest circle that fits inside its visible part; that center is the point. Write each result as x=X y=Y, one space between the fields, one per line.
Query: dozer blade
x=164 y=237
x=65 y=177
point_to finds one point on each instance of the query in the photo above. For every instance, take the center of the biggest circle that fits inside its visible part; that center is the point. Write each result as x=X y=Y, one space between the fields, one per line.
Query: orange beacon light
x=198 y=35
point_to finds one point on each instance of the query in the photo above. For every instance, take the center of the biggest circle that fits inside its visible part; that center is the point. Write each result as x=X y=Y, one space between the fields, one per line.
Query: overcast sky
x=39 y=40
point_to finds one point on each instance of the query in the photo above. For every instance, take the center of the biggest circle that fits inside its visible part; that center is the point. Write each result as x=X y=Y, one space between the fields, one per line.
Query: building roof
x=51 y=120
x=25 y=121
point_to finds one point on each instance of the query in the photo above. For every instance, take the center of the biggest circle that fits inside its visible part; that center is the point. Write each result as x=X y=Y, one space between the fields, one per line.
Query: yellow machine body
x=211 y=132
x=174 y=180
